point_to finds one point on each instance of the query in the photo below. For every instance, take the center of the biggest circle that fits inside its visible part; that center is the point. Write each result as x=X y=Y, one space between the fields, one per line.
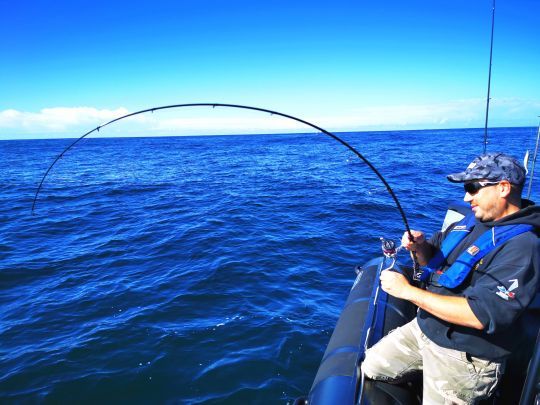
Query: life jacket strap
x=488 y=241
x=460 y=269
x=456 y=235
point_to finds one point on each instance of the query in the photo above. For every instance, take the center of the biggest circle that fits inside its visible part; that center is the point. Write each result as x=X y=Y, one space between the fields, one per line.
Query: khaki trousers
x=449 y=376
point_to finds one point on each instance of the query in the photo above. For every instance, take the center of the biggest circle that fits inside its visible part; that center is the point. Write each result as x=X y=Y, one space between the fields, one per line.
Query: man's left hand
x=395 y=284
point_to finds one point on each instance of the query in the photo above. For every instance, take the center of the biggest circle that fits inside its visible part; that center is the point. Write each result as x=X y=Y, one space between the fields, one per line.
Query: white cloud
x=419 y=116
x=226 y=124
x=453 y=114
x=73 y=121
x=56 y=119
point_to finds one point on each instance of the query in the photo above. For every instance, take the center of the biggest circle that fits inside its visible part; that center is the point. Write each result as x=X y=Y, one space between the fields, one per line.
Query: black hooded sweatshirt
x=511 y=267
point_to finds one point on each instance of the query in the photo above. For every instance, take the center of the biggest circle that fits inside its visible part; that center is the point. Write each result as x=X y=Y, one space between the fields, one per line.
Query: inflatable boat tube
x=369 y=314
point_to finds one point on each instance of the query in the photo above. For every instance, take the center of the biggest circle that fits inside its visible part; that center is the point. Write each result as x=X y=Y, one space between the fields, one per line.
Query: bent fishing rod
x=244 y=107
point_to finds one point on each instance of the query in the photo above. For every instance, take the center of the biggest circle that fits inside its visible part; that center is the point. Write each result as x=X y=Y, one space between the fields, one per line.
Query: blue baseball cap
x=492 y=167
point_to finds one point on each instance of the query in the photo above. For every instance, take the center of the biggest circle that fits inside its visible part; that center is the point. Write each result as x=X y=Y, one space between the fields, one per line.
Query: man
x=482 y=273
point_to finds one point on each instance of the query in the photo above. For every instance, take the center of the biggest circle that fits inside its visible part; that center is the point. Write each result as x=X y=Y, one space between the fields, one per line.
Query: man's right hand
x=419 y=239
x=424 y=251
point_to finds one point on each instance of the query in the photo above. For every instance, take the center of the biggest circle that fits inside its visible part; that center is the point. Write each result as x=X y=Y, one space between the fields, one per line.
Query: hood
x=529 y=214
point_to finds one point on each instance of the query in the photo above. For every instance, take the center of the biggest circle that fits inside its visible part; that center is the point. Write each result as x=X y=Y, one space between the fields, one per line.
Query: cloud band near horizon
x=73 y=121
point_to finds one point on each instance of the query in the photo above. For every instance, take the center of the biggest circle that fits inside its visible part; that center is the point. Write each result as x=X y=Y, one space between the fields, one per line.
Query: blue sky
x=68 y=66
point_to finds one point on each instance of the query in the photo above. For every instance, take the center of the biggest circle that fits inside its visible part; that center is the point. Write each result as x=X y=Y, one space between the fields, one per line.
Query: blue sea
x=201 y=270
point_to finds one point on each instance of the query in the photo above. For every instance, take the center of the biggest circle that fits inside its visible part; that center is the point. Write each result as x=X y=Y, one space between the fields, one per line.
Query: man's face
x=486 y=202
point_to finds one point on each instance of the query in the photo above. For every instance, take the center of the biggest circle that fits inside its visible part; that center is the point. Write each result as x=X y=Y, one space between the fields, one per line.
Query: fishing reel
x=390 y=251
x=389 y=248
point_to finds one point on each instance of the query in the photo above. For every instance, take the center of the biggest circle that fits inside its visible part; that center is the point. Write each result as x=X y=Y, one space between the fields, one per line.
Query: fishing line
x=213 y=105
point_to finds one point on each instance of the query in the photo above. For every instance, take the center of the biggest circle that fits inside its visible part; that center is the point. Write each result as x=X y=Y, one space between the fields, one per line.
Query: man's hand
x=395 y=284
x=419 y=239
x=451 y=309
x=422 y=248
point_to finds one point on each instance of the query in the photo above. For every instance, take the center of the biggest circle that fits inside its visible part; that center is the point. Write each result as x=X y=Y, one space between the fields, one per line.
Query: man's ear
x=505 y=188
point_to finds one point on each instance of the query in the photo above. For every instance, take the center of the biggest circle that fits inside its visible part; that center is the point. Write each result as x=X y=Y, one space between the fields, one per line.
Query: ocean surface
x=201 y=270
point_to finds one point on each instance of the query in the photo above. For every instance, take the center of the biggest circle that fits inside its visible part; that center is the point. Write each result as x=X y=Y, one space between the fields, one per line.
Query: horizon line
x=264 y=133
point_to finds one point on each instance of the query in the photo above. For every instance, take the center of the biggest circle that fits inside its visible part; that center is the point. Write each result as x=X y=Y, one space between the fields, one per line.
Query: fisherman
x=481 y=274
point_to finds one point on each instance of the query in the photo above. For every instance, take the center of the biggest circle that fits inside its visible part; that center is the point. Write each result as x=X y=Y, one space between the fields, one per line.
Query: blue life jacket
x=463 y=265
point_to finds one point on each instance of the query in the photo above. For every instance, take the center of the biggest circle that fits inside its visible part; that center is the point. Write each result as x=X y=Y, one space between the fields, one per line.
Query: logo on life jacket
x=507 y=294
x=472 y=250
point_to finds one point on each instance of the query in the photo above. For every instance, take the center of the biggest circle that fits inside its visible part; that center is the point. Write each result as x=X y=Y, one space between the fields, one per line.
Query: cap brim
x=457 y=177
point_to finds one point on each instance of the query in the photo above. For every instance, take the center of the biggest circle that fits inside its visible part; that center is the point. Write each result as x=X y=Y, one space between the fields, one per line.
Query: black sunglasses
x=473 y=188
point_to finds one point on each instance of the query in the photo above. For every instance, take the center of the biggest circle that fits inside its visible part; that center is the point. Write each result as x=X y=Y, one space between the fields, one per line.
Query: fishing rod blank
x=213 y=105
